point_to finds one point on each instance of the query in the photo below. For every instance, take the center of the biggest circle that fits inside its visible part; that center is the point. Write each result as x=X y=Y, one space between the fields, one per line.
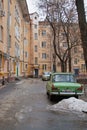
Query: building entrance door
x=36 y=73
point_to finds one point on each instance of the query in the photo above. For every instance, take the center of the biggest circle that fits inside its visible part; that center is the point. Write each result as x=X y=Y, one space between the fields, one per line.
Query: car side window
x=57 y=78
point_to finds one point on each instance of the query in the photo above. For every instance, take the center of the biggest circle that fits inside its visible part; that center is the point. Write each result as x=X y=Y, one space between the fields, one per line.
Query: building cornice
x=24 y=8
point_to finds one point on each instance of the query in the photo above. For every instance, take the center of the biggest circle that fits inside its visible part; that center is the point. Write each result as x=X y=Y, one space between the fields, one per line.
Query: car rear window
x=64 y=78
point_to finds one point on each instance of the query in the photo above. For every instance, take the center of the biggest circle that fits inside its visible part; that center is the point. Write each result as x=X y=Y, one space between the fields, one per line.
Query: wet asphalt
x=24 y=106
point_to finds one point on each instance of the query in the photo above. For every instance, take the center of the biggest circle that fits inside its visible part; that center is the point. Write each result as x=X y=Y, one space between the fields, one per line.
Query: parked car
x=46 y=76
x=63 y=84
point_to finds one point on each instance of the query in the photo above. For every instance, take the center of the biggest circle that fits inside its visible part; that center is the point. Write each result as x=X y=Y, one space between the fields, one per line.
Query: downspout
x=8 y=42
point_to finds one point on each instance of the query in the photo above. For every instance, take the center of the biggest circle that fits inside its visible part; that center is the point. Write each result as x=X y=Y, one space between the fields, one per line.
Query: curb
x=2 y=86
x=20 y=82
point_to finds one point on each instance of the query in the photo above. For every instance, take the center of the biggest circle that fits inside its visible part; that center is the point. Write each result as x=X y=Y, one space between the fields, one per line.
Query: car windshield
x=46 y=73
x=64 y=78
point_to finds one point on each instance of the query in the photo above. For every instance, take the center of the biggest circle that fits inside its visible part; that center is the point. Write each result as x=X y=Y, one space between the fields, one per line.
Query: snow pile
x=70 y=104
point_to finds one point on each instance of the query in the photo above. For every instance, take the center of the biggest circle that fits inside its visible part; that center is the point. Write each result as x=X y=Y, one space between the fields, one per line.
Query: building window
x=9 y=40
x=75 y=61
x=75 y=50
x=17 y=50
x=35 y=17
x=1 y=33
x=83 y=67
x=65 y=45
x=25 y=30
x=10 y=19
x=43 y=32
x=35 y=48
x=44 y=55
x=1 y=4
x=82 y=56
x=44 y=67
x=63 y=35
x=36 y=60
x=25 y=42
x=35 y=36
x=17 y=32
x=43 y=44
x=26 y=54
x=35 y=26
x=26 y=66
x=17 y=16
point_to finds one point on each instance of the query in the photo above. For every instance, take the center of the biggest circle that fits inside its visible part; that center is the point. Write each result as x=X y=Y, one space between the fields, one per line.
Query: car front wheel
x=50 y=97
x=77 y=96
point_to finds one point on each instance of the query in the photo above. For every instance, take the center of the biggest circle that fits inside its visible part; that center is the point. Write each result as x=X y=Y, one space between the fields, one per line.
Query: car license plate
x=67 y=90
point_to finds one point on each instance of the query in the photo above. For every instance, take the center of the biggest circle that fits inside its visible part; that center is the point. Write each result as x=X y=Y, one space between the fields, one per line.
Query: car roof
x=46 y=72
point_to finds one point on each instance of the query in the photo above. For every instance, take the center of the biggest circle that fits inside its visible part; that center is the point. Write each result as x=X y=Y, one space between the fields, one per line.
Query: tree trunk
x=69 y=60
x=63 y=66
x=83 y=27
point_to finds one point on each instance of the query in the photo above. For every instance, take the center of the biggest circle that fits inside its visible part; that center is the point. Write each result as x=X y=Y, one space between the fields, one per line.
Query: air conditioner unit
x=2 y=13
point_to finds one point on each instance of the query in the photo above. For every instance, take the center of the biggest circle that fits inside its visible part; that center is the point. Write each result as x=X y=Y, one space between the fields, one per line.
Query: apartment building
x=26 y=43
x=40 y=46
x=14 y=38
x=43 y=57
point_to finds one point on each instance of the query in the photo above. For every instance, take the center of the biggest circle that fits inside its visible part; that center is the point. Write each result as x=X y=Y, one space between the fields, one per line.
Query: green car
x=63 y=84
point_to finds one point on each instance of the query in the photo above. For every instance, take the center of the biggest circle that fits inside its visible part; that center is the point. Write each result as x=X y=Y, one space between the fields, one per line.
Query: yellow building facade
x=14 y=38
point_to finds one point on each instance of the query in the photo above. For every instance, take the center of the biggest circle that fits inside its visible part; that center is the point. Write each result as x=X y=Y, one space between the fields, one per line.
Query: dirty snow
x=23 y=113
x=71 y=104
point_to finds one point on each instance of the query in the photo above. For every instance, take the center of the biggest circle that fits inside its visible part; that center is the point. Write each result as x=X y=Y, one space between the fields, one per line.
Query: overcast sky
x=32 y=5
x=85 y=5
x=33 y=8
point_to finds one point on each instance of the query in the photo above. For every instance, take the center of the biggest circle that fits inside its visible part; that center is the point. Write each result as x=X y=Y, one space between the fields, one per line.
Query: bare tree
x=83 y=27
x=61 y=16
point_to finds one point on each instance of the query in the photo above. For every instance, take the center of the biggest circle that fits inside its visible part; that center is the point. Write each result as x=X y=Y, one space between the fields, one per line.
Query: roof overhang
x=24 y=8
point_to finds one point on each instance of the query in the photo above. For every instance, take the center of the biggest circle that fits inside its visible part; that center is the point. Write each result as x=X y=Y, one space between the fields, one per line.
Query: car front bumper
x=45 y=78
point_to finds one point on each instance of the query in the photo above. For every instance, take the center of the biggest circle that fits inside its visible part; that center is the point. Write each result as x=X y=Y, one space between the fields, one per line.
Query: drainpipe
x=23 y=48
x=8 y=40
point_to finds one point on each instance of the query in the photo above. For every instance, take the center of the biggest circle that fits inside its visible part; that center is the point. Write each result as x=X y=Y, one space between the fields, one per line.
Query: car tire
x=50 y=97
x=77 y=96
x=47 y=93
